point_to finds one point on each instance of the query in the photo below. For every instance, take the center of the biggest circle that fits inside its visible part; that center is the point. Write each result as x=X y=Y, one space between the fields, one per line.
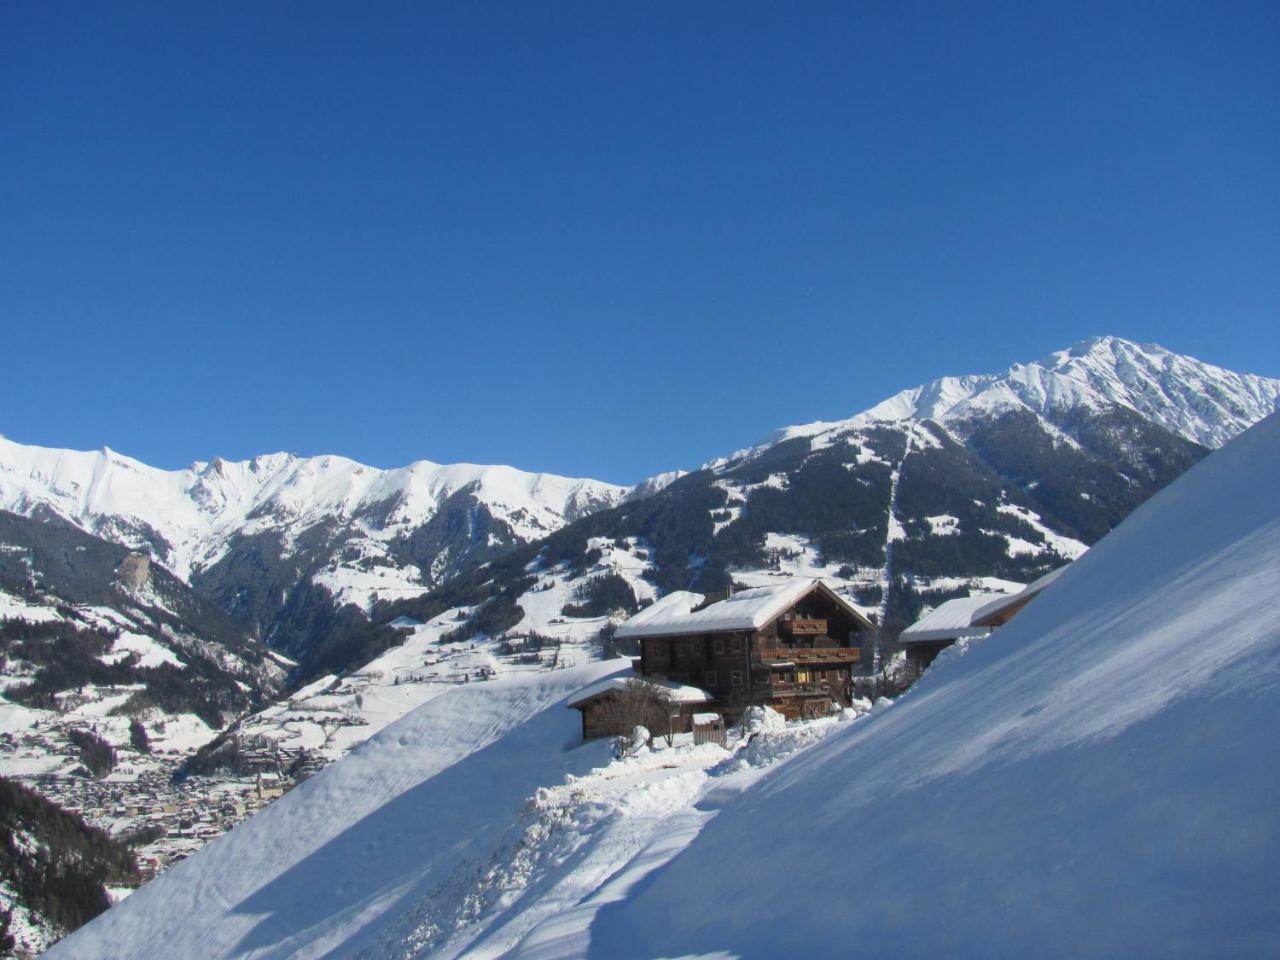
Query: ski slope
x=1097 y=779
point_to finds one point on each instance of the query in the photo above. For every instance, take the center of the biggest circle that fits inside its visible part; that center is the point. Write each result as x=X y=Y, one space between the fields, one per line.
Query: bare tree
x=648 y=705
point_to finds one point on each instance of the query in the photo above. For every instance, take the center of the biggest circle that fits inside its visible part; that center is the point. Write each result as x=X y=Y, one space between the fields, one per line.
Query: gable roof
x=678 y=603
x=748 y=610
x=950 y=621
x=677 y=692
x=988 y=613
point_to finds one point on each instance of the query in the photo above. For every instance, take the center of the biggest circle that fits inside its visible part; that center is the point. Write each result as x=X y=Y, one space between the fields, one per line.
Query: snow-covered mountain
x=979 y=481
x=282 y=542
x=274 y=539
x=897 y=514
x=1188 y=397
x=972 y=483
x=188 y=517
x=1095 y=770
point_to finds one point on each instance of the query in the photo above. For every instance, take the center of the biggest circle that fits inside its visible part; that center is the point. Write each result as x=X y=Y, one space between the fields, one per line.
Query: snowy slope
x=1091 y=780
x=1095 y=779
x=320 y=869
x=188 y=515
x=1191 y=398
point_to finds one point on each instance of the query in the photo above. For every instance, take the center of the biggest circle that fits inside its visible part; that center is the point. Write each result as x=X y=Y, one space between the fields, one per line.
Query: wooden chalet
x=793 y=647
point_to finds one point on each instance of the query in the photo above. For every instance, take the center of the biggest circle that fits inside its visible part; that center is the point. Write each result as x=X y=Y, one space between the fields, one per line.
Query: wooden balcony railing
x=805 y=628
x=812 y=654
x=785 y=689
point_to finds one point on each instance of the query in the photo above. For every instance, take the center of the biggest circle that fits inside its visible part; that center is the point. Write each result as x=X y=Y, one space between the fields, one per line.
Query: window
x=735 y=677
x=710 y=680
x=717 y=645
x=735 y=645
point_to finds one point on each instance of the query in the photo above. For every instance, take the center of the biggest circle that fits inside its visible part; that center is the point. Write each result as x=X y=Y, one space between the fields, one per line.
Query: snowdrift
x=1096 y=779
x=318 y=871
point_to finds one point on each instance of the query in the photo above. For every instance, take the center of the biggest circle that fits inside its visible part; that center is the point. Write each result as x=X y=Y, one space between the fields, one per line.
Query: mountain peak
x=1194 y=399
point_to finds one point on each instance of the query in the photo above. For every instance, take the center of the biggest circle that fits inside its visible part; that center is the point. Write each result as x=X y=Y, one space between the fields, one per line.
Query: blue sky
x=607 y=239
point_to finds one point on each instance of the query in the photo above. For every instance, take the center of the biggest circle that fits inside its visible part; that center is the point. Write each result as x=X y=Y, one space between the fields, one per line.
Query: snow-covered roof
x=674 y=604
x=748 y=610
x=701 y=719
x=676 y=692
x=999 y=604
x=949 y=621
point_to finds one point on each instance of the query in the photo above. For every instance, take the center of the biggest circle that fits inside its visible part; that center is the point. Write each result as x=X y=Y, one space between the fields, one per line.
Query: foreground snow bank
x=579 y=845
x=1096 y=779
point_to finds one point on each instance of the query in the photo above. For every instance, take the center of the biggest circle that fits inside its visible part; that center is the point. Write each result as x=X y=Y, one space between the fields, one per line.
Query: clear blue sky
x=607 y=239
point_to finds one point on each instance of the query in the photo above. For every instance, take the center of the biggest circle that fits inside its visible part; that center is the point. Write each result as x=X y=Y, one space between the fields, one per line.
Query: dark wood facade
x=605 y=715
x=800 y=664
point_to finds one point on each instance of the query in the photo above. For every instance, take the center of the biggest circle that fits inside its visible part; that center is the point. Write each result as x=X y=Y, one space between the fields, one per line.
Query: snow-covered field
x=364 y=840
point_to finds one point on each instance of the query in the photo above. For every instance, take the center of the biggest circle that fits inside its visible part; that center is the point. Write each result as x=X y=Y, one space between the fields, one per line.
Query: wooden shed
x=616 y=705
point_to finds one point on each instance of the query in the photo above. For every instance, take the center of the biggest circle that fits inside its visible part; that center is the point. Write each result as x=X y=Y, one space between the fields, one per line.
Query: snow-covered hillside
x=1092 y=780
x=361 y=842
x=1095 y=779
x=188 y=517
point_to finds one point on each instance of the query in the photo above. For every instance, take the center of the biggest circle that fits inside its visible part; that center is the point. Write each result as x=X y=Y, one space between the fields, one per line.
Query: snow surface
x=677 y=692
x=996 y=605
x=1093 y=780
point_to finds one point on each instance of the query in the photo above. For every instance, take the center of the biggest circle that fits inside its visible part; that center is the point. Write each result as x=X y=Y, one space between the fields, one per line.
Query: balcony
x=799 y=627
x=811 y=655
x=783 y=688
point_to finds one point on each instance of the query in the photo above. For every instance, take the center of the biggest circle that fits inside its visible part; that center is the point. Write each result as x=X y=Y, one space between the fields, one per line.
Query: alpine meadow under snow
x=1091 y=780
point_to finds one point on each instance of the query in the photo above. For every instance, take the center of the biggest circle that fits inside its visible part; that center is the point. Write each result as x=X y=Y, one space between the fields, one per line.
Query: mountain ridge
x=297 y=548
x=1076 y=377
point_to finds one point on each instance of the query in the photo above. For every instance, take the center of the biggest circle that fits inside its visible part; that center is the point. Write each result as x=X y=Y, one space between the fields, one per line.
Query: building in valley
x=792 y=647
